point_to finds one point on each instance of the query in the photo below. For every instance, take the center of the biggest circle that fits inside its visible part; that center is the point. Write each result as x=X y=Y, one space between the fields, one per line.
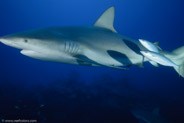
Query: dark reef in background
x=71 y=100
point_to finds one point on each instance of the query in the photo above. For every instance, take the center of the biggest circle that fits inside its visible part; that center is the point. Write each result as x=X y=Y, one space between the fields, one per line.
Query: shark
x=96 y=45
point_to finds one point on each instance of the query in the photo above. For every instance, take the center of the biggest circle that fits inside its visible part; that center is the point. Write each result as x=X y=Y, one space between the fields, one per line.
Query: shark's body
x=82 y=45
x=97 y=45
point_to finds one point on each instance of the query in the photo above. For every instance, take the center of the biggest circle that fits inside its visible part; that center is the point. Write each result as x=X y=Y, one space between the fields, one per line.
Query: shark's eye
x=25 y=40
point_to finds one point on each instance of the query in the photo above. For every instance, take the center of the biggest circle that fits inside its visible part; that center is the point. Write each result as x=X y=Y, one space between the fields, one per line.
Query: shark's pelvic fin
x=106 y=20
x=140 y=65
x=154 y=63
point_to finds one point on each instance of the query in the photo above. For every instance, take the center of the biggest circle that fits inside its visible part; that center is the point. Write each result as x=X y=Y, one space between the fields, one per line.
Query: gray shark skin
x=97 y=45
x=149 y=117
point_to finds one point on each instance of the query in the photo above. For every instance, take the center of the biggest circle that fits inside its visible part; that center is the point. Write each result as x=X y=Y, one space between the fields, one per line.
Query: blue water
x=61 y=93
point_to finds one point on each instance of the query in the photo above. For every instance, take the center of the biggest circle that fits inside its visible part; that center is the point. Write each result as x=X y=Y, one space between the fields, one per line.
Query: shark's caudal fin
x=180 y=70
x=178 y=58
x=106 y=20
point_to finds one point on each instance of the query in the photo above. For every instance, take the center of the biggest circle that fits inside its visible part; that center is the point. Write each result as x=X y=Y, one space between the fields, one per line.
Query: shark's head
x=33 y=40
x=16 y=42
x=21 y=40
x=45 y=44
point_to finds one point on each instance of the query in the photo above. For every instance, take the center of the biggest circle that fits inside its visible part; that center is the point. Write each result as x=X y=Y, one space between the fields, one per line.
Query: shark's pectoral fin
x=86 y=59
x=82 y=62
x=106 y=20
x=94 y=63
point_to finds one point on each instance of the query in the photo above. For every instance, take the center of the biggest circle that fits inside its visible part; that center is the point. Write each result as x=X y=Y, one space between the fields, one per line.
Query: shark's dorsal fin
x=106 y=20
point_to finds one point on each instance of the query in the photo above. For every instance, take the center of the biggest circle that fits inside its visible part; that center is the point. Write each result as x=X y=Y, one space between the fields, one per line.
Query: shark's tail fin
x=178 y=58
x=180 y=70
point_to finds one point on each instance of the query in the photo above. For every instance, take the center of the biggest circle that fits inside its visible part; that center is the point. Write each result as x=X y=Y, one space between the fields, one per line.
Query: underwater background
x=62 y=93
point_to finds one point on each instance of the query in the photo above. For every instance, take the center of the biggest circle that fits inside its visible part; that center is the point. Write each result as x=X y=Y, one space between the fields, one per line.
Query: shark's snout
x=9 y=42
x=5 y=41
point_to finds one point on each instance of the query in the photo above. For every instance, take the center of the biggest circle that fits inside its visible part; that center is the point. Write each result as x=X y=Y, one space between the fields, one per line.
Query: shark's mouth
x=35 y=54
x=28 y=52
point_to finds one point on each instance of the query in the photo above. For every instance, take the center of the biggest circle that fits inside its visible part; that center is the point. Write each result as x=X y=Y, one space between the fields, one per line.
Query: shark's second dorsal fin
x=106 y=20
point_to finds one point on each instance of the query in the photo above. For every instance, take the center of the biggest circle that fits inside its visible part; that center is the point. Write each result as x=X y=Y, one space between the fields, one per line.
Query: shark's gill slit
x=70 y=48
x=65 y=46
